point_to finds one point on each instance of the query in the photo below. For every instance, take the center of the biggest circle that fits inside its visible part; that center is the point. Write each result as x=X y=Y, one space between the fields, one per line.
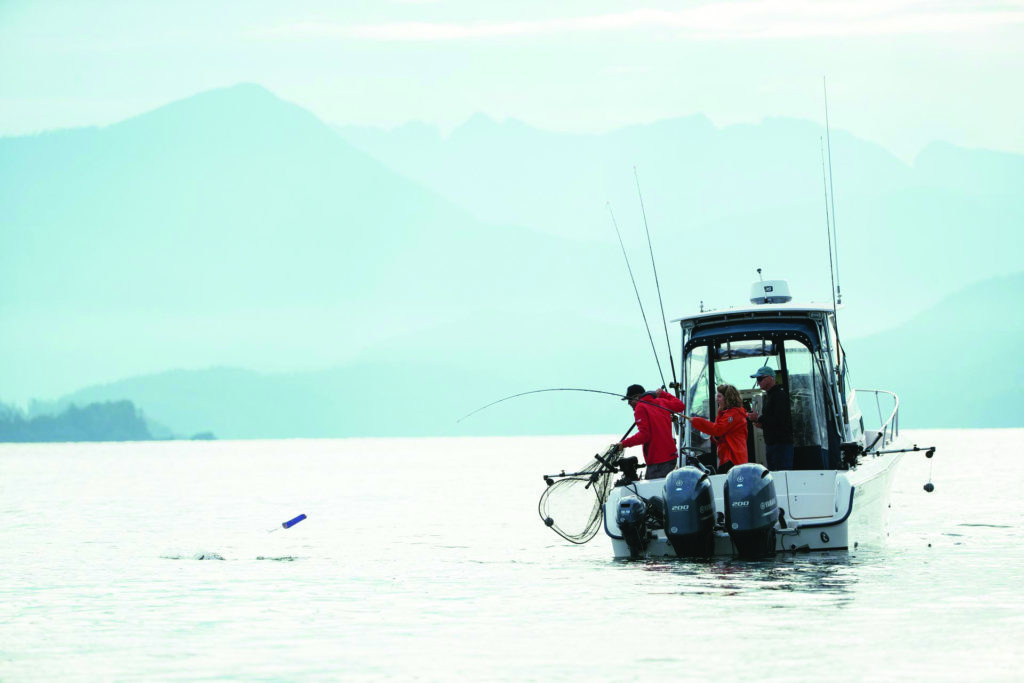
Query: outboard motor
x=751 y=510
x=690 y=512
x=631 y=517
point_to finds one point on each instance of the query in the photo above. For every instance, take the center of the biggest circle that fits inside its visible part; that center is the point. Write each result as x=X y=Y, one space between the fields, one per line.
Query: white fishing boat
x=837 y=493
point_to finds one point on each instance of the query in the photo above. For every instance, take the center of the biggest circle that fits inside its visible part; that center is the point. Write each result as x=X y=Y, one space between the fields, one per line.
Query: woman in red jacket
x=729 y=430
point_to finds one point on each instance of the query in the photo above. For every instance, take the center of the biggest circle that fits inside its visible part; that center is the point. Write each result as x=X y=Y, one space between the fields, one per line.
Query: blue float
x=292 y=522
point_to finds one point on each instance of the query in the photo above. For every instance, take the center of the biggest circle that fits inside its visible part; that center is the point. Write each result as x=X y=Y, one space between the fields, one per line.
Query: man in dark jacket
x=652 y=411
x=775 y=420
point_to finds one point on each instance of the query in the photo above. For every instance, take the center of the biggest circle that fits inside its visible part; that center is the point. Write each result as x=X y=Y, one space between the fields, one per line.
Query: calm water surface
x=424 y=559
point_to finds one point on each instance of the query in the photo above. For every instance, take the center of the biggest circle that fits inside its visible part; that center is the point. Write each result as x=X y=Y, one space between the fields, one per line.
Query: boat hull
x=820 y=509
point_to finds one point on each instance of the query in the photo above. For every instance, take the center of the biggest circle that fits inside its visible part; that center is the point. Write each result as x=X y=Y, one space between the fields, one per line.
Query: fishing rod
x=633 y=280
x=654 y=267
x=828 y=229
x=838 y=296
x=835 y=315
x=589 y=391
x=831 y=191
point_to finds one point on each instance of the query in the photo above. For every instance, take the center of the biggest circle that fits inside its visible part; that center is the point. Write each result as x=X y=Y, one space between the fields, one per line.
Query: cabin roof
x=759 y=309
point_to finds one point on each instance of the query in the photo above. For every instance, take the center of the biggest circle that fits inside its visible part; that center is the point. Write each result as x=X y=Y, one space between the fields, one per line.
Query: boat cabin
x=799 y=342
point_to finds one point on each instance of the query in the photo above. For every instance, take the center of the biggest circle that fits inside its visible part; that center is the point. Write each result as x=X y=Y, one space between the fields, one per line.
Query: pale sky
x=900 y=72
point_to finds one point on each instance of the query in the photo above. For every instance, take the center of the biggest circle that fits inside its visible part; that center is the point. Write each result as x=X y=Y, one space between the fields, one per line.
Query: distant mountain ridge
x=716 y=166
x=754 y=191
x=934 y=361
x=953 y=365
x=233 y=229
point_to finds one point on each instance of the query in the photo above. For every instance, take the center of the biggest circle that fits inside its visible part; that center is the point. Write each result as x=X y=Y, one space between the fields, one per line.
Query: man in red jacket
x=652 y=411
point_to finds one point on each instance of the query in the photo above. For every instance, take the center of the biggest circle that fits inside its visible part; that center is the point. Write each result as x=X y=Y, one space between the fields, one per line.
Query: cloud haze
x=765 y=19
x=901 y=73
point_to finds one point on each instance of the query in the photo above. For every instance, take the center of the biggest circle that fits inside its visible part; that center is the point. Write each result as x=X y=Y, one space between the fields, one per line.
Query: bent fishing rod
x=639 y=399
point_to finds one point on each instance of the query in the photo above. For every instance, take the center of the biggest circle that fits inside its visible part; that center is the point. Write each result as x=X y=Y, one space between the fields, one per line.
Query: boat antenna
x=664 y=322
x=633 y=280
x=828 y=228
x=831 y=191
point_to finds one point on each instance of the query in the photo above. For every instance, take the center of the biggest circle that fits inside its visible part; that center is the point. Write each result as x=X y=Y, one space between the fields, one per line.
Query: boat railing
x=888 y=425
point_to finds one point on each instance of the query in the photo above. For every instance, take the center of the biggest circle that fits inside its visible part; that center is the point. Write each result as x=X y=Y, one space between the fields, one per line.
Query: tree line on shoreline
x=104 y=421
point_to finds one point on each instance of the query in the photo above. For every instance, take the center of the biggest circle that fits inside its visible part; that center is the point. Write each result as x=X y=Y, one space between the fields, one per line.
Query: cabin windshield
x=734 y=361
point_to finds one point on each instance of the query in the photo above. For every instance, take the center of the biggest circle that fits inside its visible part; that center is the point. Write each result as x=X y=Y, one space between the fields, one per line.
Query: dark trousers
x=661 y=470
x=779 y=456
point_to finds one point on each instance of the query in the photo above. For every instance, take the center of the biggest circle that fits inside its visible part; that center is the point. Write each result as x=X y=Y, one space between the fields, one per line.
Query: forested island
x=106 y=421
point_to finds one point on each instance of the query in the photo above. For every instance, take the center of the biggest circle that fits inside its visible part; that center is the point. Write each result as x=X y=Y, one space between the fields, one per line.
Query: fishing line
x=633 y=280
x=929 y=487
x=541 y=391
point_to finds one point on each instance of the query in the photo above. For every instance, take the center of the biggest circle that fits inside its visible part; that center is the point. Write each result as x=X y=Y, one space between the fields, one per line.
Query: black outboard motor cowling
x=690 y=512
x=751 y=510
x=631 y=518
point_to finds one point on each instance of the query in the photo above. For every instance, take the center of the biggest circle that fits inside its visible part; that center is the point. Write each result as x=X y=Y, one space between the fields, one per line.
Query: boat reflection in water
x=829 y=572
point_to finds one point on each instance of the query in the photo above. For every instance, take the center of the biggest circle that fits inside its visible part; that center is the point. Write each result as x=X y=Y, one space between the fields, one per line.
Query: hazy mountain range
x=344 y=281
x=740 y=196
x=944 y=374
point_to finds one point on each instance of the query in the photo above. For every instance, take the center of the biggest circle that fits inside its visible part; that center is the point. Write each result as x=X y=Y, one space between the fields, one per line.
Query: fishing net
x=572 y=505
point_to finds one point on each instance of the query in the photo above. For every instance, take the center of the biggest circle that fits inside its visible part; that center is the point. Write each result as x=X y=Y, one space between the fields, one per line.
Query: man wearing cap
x=775 y=420
x=652 y=411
